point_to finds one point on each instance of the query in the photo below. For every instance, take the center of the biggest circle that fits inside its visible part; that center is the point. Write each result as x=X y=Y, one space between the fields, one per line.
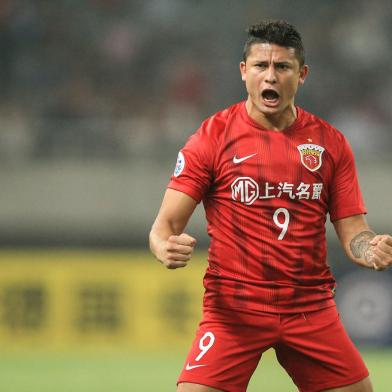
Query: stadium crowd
x=121 y=80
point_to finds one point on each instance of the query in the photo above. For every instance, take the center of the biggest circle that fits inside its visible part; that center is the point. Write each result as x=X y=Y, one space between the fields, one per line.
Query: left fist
x=381 y=249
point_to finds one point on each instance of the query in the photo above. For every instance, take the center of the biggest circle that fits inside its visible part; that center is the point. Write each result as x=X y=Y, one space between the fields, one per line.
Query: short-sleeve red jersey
x=266 y=196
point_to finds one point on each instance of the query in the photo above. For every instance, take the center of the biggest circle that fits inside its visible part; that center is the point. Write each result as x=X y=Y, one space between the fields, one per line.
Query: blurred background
x=96 y=99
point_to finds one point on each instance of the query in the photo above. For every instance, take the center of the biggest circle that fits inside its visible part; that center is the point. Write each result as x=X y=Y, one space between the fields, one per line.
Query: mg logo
x=245 y=190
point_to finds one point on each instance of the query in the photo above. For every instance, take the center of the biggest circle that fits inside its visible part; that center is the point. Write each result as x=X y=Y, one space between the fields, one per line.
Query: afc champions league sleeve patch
x=180 y=165
x=311 y=156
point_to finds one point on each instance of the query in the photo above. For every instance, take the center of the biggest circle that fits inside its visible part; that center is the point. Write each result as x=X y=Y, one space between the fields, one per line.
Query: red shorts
x=313 y=348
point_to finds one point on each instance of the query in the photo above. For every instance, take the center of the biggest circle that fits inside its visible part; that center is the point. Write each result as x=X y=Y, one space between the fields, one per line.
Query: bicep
x=176 y=209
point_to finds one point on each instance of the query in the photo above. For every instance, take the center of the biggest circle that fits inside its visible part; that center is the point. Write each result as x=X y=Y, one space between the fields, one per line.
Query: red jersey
x=266 y=196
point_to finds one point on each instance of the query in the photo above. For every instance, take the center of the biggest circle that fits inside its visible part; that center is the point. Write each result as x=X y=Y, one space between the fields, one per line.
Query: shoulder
x=210 y=136
x=334 y=139
x=214 y=126
x=322 y=125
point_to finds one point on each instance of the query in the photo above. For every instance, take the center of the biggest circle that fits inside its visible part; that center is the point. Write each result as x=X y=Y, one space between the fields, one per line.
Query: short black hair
x=277 y=32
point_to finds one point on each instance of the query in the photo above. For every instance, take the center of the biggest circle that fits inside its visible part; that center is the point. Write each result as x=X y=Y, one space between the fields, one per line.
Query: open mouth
x=270 y=95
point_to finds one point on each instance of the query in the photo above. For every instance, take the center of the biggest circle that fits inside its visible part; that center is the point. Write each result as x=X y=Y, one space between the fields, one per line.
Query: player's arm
x=168 y=243
x=362 y=245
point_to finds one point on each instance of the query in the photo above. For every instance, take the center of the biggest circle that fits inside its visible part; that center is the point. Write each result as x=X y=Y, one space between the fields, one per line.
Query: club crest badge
x=179 y=165
x=311 y=156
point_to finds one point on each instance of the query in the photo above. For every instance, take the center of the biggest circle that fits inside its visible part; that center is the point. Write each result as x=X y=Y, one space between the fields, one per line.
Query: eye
x=282 y=66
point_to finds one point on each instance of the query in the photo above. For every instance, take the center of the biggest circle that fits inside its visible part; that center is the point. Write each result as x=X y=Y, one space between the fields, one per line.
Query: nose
x=270 y=75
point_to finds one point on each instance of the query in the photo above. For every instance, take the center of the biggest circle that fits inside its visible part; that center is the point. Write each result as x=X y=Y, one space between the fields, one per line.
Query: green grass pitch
x=140 y=372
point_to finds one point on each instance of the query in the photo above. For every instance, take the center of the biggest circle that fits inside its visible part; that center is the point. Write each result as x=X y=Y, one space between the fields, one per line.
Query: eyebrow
x=285 y=62
x=279 y=62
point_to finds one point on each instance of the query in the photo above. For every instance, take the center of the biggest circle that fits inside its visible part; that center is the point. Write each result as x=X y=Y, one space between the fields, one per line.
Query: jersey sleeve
x=194 y=167
x=345 y=197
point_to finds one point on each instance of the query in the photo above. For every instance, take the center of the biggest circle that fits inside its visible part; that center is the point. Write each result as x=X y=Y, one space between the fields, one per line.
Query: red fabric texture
x=267 y=195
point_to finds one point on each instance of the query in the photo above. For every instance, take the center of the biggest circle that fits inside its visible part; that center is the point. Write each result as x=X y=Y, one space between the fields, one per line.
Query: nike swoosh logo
x=239 y=160
x=190 y=367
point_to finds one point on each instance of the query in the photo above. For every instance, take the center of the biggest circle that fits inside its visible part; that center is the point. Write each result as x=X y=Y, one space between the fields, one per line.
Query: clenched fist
x=381 y=249
x=176 y=251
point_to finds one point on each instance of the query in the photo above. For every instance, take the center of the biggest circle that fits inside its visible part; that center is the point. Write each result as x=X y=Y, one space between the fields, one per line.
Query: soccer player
x=268 y=173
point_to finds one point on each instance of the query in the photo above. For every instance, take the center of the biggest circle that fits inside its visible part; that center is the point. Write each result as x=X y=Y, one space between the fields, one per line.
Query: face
x=272 y=75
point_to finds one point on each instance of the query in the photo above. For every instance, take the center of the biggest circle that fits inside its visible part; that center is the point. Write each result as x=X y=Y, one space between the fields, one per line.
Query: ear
x=303 y=73
x=243 y=70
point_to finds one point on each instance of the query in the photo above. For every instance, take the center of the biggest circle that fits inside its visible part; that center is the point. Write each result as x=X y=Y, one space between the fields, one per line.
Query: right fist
x=177 y=251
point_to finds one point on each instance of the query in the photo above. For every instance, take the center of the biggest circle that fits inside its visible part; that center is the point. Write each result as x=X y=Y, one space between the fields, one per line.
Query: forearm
x=360 y=249
x=363 y=246
x=159 y=234
x=170 y=245
x=356 y=237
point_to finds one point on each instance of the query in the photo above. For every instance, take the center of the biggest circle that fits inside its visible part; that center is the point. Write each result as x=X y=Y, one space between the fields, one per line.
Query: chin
x=266 y=110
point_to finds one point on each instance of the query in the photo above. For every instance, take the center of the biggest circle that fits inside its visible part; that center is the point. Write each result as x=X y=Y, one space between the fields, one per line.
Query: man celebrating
x=268 y=173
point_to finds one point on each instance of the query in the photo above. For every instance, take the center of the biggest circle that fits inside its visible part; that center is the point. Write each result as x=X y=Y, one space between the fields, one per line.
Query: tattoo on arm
x=360 y=246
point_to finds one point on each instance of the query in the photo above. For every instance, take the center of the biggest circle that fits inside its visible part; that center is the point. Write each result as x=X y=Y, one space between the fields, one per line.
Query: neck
x=275 y=121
